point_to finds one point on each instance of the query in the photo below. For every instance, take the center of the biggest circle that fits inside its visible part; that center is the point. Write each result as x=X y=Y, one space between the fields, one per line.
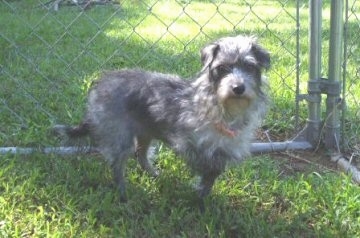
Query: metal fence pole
x=332 y=122
x=312 y=130
x=298 y=62
x=344 y=78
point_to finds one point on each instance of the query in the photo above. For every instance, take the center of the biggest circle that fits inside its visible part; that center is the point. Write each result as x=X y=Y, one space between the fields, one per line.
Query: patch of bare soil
x=313 y=161
x=304 y=162
x=293 y=162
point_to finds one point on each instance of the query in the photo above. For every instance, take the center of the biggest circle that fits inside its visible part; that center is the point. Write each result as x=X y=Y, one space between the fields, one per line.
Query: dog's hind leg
x=117 y=162
x=119 y=177
x=141 y=148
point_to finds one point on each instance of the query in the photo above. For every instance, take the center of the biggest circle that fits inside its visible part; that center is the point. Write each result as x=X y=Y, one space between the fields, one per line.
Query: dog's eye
x=224 y=68
x=220 y=71
x=250 y=66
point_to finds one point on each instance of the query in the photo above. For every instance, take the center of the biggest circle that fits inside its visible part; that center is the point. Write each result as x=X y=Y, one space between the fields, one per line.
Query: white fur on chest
x=210 y=139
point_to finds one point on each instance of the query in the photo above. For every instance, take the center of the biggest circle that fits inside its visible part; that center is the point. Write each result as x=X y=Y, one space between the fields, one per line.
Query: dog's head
x=234 y=66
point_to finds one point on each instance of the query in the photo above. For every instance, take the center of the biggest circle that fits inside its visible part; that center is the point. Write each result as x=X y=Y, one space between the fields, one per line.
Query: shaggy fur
x=209 y=121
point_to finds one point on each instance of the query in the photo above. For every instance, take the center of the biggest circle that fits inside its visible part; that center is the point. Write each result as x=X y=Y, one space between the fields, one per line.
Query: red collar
x=225 y=130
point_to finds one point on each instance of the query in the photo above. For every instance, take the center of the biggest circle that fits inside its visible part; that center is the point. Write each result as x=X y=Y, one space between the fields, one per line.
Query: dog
x=209 y=121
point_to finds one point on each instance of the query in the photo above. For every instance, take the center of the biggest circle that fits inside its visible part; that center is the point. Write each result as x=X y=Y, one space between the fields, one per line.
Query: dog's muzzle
x=238 y=88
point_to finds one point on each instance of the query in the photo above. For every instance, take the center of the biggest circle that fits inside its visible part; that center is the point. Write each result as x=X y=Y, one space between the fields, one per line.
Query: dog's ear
x=208 y=54
x=262 y=56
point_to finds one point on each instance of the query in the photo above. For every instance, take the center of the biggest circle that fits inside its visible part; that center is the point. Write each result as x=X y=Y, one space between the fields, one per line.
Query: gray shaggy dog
x=208 y=121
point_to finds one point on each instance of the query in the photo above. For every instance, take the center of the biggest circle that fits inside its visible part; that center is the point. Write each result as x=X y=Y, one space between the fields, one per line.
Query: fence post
x=313 y=127
x=333 y=100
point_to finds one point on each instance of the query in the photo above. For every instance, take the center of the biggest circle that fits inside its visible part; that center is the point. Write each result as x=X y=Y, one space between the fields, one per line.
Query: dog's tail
x=72 y=132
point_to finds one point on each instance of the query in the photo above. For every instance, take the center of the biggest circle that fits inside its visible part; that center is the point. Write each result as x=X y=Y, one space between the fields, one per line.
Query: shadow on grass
x=245 y=202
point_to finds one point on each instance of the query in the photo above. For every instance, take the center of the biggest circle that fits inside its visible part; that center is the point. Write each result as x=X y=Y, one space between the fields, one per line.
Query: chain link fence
x=351 y=75
x=52 y=50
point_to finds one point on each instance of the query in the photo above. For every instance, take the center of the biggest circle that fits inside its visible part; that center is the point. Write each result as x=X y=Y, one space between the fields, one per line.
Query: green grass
x=48 y=61
x=74 y=197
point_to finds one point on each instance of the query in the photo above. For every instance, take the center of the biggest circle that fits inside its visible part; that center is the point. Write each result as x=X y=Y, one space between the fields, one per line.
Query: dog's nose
x=239 y=89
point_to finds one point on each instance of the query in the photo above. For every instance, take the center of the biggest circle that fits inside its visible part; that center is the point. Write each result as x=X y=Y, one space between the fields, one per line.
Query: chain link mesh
x=351 y=85
x=53 y=49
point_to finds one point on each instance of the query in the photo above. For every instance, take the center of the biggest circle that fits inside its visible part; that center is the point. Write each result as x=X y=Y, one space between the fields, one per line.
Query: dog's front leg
x=210 y=170
x=206 y=183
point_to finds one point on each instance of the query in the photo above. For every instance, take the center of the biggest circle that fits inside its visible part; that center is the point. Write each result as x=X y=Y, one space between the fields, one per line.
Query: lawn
x=48 y=196
x=49 y=60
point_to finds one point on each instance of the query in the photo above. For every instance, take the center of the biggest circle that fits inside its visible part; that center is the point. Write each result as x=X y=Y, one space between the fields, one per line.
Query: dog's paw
x=61 y=133
x=60 y=130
